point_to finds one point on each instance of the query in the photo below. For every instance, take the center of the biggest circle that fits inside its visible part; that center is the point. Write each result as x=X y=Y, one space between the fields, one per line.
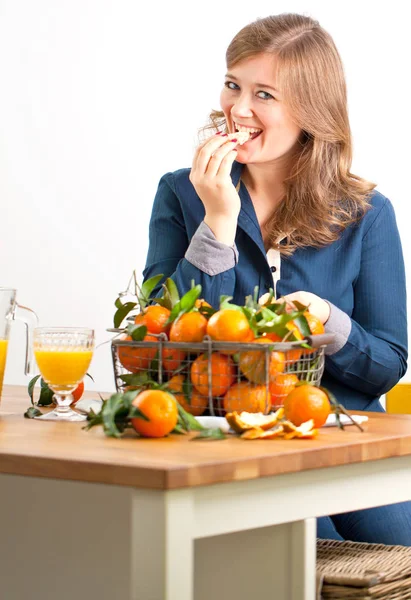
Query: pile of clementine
x=252 y=380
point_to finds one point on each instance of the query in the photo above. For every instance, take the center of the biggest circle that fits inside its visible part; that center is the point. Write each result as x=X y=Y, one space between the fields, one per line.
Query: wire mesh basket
x=213 y=378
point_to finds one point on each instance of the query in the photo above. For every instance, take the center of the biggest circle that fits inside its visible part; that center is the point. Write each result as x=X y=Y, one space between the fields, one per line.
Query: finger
x=214 y=163
x=227 y=164
x=203 y=155
x=203 y=144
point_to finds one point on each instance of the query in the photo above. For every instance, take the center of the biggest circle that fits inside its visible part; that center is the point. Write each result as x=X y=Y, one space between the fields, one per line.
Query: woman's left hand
x=316 y=305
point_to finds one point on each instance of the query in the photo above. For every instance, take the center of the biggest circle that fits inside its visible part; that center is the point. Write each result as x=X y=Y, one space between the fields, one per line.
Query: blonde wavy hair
x=322 y=196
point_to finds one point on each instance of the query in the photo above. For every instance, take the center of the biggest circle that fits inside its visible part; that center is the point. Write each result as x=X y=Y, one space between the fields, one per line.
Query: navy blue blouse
x=361 y=274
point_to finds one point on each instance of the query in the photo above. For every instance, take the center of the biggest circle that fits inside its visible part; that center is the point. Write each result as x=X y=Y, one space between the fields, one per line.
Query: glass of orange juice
x=63 y=355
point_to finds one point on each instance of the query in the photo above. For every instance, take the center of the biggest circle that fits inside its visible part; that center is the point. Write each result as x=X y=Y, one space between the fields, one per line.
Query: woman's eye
x=265 y=96
x=231 y=85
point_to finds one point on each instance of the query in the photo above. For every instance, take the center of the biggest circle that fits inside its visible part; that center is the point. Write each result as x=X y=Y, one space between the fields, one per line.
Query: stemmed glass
x=63 y=355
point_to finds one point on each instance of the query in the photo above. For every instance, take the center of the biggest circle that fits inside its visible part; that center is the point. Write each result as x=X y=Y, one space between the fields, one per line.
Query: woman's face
x=249 y=99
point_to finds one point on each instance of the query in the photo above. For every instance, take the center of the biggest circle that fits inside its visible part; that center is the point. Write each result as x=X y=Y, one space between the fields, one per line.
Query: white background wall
x=87 y=89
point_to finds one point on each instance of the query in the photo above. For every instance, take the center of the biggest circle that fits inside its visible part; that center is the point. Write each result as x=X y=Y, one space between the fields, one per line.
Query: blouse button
x=273 y=269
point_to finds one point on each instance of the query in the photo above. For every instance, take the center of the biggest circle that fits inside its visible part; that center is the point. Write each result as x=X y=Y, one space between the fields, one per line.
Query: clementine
x=244 y=396
x=282 y=385
x=136 y=358
x=252 y=363
x=78 y=392
x=172 y=359
x=160 y=408
x=316 y=328
x=196 y=404
x=190 y=327
x=314 y=323
x=155 y=318
x=291 y=356
x=222 y=373
x=307 y=402
x=229 y=325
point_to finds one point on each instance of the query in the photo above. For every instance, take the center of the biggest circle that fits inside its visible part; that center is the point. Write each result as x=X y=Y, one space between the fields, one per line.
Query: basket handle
x=323 y=339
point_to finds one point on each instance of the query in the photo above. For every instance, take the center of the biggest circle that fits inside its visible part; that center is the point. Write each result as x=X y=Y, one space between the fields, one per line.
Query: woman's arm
x=371 y=353
x=203 y=259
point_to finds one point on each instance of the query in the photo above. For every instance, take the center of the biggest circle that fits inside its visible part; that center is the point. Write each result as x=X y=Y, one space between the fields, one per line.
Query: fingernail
x=234 y=140
x=218 y=133
x=225 y=134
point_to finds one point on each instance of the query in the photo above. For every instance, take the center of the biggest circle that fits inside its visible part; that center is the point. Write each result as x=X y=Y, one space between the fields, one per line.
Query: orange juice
x=63 y=368
x=3 y=356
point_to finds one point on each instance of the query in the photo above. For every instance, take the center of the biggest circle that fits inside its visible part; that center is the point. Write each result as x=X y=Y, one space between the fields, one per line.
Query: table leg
x=303 y=544
x=162 y=552
x=275 y=562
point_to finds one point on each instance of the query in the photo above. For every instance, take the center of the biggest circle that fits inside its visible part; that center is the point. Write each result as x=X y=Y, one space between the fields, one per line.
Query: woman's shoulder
x=178 y=180
x=379 y=207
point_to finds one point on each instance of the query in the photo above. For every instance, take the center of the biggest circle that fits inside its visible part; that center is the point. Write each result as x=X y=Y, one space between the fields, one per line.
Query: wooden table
x=87 y=517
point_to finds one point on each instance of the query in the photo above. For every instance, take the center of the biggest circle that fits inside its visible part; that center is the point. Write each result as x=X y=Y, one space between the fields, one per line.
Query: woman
x=283 y=210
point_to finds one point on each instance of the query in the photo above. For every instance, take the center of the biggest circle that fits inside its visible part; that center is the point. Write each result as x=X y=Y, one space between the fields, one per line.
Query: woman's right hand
x=210 y=176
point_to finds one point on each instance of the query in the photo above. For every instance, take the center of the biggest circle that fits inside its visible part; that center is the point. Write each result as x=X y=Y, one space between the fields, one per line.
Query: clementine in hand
x=307 y=402
x=314 y=323
x=316 y=328
x=160 y=408
x=190 y=327
x=222 y=374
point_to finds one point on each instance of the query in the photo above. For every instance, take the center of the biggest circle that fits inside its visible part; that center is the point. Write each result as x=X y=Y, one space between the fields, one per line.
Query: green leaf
x=187 y=389
x=46 y=394
x=154 y=365
x=162 y=301
x=93 y=418
x=302 y=325
x=122 y=312
x=225 y=304
x=188 y=301
x=135 y=413
x=172 y=291
x=187 y=420
x=224 y=299
x=210 y=434
x=137 y=332
x=179 y=429
x=31 y=385
x=135 y=379
x=207 y=311
x=300 y=307
x=147 y=289
x=176 y=312
x=255 y=296
x=118 y=303
x=32 y=412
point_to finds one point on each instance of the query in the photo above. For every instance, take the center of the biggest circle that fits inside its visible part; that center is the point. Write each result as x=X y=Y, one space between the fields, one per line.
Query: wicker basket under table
x=362 y=571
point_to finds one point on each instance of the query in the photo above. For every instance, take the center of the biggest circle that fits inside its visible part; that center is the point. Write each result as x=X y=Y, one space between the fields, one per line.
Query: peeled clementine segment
x=252 y=434
x=260 y=434
x=244 y=421
x=305 y=430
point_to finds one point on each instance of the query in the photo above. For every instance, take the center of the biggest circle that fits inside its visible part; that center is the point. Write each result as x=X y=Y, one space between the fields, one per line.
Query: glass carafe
x=9 y=311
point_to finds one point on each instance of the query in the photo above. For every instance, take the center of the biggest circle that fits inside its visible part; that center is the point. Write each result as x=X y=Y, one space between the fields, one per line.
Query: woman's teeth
x=251 y=131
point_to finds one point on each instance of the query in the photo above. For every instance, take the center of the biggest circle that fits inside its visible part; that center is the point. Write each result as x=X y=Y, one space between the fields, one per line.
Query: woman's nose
x=242 y=108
